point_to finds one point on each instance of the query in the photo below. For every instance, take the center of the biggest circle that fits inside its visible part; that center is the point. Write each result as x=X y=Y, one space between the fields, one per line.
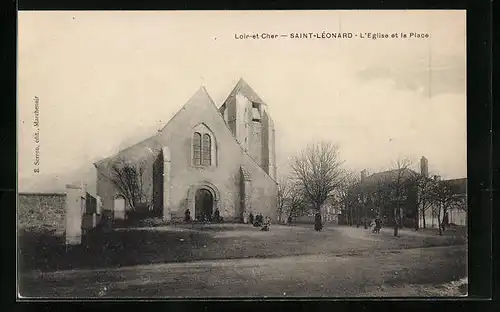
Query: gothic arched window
x=207 y=150
x=197 y=149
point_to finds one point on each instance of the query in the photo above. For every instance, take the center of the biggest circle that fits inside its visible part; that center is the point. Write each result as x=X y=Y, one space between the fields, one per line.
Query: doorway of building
x=204 y=205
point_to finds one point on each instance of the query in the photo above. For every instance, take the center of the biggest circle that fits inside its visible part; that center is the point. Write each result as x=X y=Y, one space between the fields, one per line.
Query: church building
x=204 y=159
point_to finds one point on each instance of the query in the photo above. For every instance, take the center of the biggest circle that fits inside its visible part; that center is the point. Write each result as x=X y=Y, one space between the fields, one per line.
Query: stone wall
x=455 y=216
x=41 y=210
x=67 y=213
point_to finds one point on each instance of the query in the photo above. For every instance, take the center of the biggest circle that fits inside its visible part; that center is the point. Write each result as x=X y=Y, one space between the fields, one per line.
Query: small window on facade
x=197 y=149
x=255 y=112
x=207 y=150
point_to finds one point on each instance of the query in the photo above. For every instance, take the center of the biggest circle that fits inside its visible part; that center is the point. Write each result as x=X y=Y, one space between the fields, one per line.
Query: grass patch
x=135 y=246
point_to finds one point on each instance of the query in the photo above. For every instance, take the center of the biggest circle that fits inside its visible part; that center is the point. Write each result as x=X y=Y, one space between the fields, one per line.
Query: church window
x=203 y=147
x=197 y=149
x=207 y=150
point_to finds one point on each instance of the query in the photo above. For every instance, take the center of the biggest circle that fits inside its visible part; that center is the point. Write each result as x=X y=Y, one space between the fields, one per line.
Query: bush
x=140 y=212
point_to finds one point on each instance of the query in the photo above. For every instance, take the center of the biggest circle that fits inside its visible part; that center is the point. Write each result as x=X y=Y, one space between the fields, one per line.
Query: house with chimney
x=382 y=192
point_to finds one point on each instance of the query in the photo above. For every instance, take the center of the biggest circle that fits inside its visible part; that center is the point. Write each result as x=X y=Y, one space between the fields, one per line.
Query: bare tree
x=284 y=188
x=346 y=195
x=382 y=196
x=423 y=186
x=128 y=178
x=318 y=170
x=399 y=191
x=445 y=199
x=296 y=204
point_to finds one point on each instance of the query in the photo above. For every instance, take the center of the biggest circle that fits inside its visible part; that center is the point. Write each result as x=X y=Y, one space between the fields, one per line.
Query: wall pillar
x=167 y=214
x=98 y=205
x=246 y=192
x=75 y=206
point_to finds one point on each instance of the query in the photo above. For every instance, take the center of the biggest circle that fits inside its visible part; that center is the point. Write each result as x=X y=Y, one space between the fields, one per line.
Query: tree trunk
x=446 y=218
x=357 y=217
x=401 y=218
x=423 y=218
x=439 y=222
x=350 y=216
x=417 y=219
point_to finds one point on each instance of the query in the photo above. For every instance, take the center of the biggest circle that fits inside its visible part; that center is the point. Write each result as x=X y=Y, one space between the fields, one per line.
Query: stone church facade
x=205 y=159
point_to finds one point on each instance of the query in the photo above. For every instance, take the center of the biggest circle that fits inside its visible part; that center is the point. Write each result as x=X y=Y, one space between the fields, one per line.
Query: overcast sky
x=106 y=80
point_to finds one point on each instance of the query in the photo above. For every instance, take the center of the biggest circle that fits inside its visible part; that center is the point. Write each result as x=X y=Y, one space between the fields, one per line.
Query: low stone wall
x=41 y=211
x=73 y=213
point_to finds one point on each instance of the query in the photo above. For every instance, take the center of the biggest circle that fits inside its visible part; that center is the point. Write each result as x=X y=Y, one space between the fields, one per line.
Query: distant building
x=375 y=190
x=375 y=195
x=330 y=213
x=456 y=216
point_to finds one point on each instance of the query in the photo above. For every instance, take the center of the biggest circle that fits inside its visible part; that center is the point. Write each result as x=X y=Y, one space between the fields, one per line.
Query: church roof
x=153 y=142
x=244 y=89
x=200 y=95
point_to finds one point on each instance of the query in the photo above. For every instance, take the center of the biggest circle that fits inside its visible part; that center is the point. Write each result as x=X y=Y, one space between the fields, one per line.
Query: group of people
x=377 y=225
x=257 y=221
x=204 y=218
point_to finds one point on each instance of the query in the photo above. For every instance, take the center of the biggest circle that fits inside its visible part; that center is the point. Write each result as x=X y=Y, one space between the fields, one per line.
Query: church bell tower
x=247 y=116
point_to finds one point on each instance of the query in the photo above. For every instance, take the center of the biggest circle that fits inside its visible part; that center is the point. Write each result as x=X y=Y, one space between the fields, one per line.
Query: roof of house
x=389 y=175
x=459 y=186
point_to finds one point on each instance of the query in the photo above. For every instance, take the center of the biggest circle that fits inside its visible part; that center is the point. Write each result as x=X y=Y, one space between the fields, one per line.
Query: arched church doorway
x=204 y=204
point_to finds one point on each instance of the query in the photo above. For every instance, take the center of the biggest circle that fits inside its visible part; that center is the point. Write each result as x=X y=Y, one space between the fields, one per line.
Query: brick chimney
x=424 y=167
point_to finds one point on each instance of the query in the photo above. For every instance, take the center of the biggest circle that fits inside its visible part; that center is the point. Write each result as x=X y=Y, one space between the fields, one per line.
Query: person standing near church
x=318 y=226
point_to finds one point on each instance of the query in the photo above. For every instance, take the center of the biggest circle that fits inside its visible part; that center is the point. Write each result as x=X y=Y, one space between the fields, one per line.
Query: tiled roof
x=459 y=186
x=389 y=175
